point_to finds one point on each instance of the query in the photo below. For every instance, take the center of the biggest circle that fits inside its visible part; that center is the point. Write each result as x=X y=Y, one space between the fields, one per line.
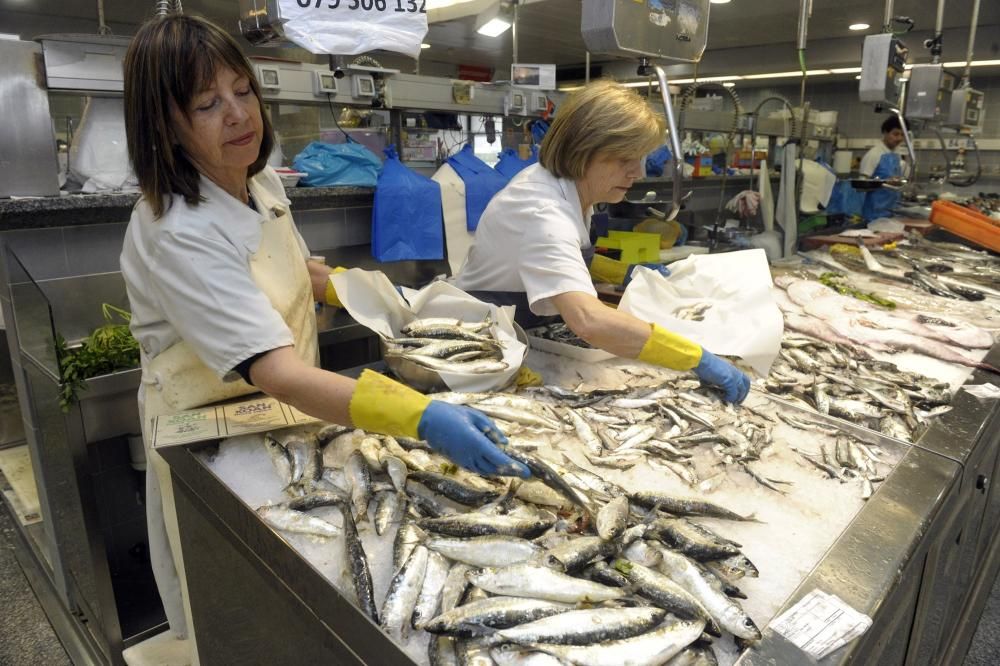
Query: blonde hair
x=601 y=119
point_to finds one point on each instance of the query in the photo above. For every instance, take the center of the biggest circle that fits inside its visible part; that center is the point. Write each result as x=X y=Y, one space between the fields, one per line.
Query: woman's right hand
x=469 y=438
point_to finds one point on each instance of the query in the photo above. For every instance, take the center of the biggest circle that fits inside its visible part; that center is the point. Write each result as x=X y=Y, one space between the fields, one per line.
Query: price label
x=411 y=6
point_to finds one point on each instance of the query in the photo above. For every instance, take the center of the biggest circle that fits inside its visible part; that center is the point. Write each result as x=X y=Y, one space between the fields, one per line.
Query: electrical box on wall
x=269 y=77
x=324 y=83
x=516 y=101
x=928 y=94
x=883 y=60
x=966 y=109
x=362 y=85
x=539 y=102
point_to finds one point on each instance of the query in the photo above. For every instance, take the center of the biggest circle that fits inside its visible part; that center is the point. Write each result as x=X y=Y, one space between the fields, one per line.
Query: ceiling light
x=858 y=26
x=858 y=77
x=10 y=37
x=720 y=2
x=729 y=84
x=974 y=63
x=425 y=45
x=845 y=70
x=718 y=79
x=495 y=20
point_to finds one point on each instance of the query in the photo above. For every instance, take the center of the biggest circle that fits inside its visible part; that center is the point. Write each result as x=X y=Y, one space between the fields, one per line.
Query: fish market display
x=649 y=523
x=449 y=345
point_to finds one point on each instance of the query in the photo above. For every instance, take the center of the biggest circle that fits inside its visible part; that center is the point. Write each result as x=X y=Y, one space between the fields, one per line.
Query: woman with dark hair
x=218 y=278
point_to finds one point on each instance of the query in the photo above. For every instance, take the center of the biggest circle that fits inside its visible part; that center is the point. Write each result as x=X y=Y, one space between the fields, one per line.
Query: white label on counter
x=983 y=391
x=820 y=623
x=258 y=414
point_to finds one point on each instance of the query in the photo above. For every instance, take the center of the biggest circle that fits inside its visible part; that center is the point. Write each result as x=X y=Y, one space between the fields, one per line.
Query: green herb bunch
x=107 y=349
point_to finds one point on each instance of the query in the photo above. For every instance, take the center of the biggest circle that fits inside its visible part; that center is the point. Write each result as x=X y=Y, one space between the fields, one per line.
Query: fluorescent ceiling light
x=425 y=45
x=845 y=70
x=975 y=63
x=787 y=75
x=495 y=21
x=858 y=26
x=494 y=27
x=10 y=36
x=729 y=84
x=720 y=2
x=718 y=79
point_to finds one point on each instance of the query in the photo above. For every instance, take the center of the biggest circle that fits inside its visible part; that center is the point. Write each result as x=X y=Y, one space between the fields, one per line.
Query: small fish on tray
x=449 y=345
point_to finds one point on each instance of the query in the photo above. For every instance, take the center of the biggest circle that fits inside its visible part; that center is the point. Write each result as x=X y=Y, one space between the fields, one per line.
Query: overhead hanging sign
x=350 y=27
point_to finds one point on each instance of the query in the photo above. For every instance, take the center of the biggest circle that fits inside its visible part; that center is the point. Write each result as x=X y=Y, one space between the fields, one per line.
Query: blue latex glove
x=468 y=437
x=713 y=370
x=659 y=268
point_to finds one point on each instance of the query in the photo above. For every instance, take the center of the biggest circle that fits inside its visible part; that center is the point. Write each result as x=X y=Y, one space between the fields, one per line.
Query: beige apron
x=177 y=380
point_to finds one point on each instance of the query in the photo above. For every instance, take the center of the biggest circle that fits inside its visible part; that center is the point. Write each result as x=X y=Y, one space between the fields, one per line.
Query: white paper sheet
x=457 y=237
x=743 y=319
x=373 y=301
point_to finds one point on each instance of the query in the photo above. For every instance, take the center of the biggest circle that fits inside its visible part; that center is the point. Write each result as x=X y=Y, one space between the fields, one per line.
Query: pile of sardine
x=565 y=568
x=877 y=395
x=559 y=332
x=449 y=345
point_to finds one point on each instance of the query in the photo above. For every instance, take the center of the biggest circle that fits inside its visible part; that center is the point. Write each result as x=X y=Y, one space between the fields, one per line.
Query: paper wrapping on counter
x=743 y=319
x=373 y=301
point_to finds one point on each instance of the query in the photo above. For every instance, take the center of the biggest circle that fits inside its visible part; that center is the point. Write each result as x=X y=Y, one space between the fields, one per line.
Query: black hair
x=891 y=123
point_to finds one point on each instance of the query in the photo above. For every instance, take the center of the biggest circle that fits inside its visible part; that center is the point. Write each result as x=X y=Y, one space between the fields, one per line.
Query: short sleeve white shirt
x=871 y=159
x=530 y=239
x=188 y=277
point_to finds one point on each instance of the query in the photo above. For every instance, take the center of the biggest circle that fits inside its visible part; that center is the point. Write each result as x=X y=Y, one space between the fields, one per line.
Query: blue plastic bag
x=511 y=164
x=327 y=164
x=481 y=182
x=407 y=222
x=656 y=160
x=845 y=200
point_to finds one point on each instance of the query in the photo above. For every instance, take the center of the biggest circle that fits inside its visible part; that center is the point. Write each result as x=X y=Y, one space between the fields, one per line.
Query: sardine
x=388 y=510
x=454 y=490
x=576 y=553
x=357 y=561
x=494 y=612
x=475 y=367
x=476 y=524
x=454 y=586
x=649 y=649
x=694 y=656
x=359 y=480
x=685 y=506
x=583 y=627
x=430 y=592
x=727 y=613
x=539 y=582
x=585 y=433
x=485 y=551
x=441 y=651
x=288 y=520
x=280 y=458
x=404 y=589
x=612 y=519
x=407 y=538
x=665 y=593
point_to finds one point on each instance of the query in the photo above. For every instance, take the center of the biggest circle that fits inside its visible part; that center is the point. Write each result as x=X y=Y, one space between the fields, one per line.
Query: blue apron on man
x=880 y=202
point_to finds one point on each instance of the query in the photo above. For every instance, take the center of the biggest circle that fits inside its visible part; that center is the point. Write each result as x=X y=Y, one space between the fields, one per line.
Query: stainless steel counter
x=911 y=559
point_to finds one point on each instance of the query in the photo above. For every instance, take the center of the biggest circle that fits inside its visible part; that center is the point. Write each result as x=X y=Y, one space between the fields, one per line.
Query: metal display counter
x=914 y=559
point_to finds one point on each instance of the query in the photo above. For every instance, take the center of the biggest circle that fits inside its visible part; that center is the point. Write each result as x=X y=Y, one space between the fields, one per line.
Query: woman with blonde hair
x=532 y=247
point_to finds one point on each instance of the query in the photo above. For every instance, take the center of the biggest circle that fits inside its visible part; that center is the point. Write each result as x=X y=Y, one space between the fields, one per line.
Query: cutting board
x=879 y=239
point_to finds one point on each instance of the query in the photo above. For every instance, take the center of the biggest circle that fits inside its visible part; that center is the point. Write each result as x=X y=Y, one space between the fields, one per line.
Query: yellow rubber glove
x=382 y=405
x=670 y=350
x=527 y=377
x=331 y=292
x=603 y=269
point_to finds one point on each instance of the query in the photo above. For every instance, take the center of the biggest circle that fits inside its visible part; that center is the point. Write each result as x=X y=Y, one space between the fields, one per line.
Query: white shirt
x=871 y=159
x=188 y=277
x=530 y=239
